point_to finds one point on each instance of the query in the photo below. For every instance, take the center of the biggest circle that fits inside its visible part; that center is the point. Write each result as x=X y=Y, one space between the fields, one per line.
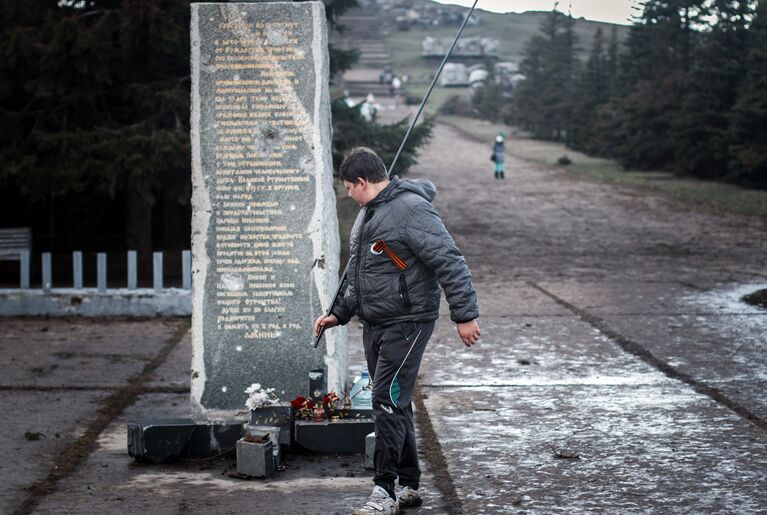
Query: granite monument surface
x=265 y=243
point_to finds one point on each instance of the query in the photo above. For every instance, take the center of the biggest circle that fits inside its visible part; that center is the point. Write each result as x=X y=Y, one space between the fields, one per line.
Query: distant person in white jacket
x=396 y=84
x=368 y=108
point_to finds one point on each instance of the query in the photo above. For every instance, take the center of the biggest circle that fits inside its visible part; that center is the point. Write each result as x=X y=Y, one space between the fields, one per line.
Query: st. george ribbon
x=399 y=151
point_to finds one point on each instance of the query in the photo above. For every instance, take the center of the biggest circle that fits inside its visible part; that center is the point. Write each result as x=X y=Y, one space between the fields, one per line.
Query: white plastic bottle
x=362 y=392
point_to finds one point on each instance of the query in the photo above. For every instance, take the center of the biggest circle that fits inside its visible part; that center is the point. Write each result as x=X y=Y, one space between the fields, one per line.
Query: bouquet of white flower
x=260 y=397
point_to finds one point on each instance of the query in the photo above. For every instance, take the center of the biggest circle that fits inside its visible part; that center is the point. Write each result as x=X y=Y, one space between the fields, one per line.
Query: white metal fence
x=106 y=299
x=101 y=271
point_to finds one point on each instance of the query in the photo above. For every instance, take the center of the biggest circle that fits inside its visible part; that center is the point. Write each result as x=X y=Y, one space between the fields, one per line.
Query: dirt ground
x=618 y=371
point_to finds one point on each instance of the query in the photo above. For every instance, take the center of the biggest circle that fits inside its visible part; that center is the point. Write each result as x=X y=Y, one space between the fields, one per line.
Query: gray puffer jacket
x=376 y=289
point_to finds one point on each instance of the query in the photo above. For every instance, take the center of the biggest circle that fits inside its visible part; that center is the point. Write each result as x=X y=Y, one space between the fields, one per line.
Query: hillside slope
x=512 y=31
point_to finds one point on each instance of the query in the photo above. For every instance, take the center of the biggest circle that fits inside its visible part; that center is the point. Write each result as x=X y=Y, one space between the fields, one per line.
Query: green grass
x=712 y=196
x=439 y=95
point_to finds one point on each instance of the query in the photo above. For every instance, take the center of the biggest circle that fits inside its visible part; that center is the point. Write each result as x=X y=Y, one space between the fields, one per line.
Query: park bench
x=13 y=241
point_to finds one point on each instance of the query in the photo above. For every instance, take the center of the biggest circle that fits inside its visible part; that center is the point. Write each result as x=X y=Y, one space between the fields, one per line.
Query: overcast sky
x=613 y=11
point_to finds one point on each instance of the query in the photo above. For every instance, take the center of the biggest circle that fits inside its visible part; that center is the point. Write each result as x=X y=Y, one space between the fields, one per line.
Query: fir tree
x=488 y=99
x=526 y=106
x=748 y=150
x=568 y=71
x=95 y=97
x=701 y=130
x=94 y=119
x=351 y=130
x=612 y=62
x=591 y=93
x=607 y=118
x=542 y=103
x=653 y=74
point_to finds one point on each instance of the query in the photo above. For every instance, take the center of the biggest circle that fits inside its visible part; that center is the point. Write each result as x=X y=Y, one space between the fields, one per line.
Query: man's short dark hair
x=363 y=163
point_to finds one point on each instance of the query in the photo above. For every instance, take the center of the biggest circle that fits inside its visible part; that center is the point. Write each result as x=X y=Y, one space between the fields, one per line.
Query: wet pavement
x=618 y=372
x=70 y=386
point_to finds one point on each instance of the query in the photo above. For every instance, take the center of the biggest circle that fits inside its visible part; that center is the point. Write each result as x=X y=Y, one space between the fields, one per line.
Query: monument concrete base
x=345 y=436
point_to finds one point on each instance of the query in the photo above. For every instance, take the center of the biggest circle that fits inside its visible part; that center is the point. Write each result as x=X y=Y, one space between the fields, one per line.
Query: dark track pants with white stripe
x=393 y=354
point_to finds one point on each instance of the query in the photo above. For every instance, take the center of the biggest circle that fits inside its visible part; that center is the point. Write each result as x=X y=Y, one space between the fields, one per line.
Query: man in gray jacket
x=400 y=254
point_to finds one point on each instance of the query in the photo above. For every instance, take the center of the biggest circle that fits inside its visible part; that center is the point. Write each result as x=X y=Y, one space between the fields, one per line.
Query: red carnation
x=298 y=402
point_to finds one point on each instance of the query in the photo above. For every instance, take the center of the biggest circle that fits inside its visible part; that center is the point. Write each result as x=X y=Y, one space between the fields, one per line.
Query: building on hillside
x=454 y=75
x=471 y=47
x=506 y=74
x=429 y=15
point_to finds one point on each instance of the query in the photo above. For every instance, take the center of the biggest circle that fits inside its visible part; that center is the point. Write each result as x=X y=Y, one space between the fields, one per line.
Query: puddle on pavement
x=730 y=299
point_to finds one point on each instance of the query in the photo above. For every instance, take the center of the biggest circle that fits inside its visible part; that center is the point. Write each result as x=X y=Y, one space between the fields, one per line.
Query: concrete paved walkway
x=612 y=331
x=618 y=372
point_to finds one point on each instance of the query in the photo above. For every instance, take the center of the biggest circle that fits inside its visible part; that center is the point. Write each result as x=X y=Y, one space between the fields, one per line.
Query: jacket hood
x=397 y=186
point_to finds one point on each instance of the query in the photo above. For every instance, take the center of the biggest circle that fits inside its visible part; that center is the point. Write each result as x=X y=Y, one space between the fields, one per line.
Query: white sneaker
x=379 y=503
x=409 y=498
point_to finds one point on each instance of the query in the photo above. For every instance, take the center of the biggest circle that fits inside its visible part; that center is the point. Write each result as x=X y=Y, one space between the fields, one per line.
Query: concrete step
x=374 y=63
x=364 y=32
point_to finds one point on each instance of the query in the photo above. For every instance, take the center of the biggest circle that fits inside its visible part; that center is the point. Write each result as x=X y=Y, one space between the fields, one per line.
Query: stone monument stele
x=265 y=245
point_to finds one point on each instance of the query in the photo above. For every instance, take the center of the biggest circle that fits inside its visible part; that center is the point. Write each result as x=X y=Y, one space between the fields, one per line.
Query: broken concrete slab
x=162 y=440
x=215 y=438
x=159 y=441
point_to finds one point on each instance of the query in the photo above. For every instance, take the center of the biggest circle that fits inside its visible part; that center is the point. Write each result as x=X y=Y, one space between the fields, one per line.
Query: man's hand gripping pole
x=341 y=285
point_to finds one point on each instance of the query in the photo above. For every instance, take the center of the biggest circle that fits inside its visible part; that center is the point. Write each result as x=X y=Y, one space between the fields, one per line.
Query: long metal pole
x=399 y=151
x=431 y=87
